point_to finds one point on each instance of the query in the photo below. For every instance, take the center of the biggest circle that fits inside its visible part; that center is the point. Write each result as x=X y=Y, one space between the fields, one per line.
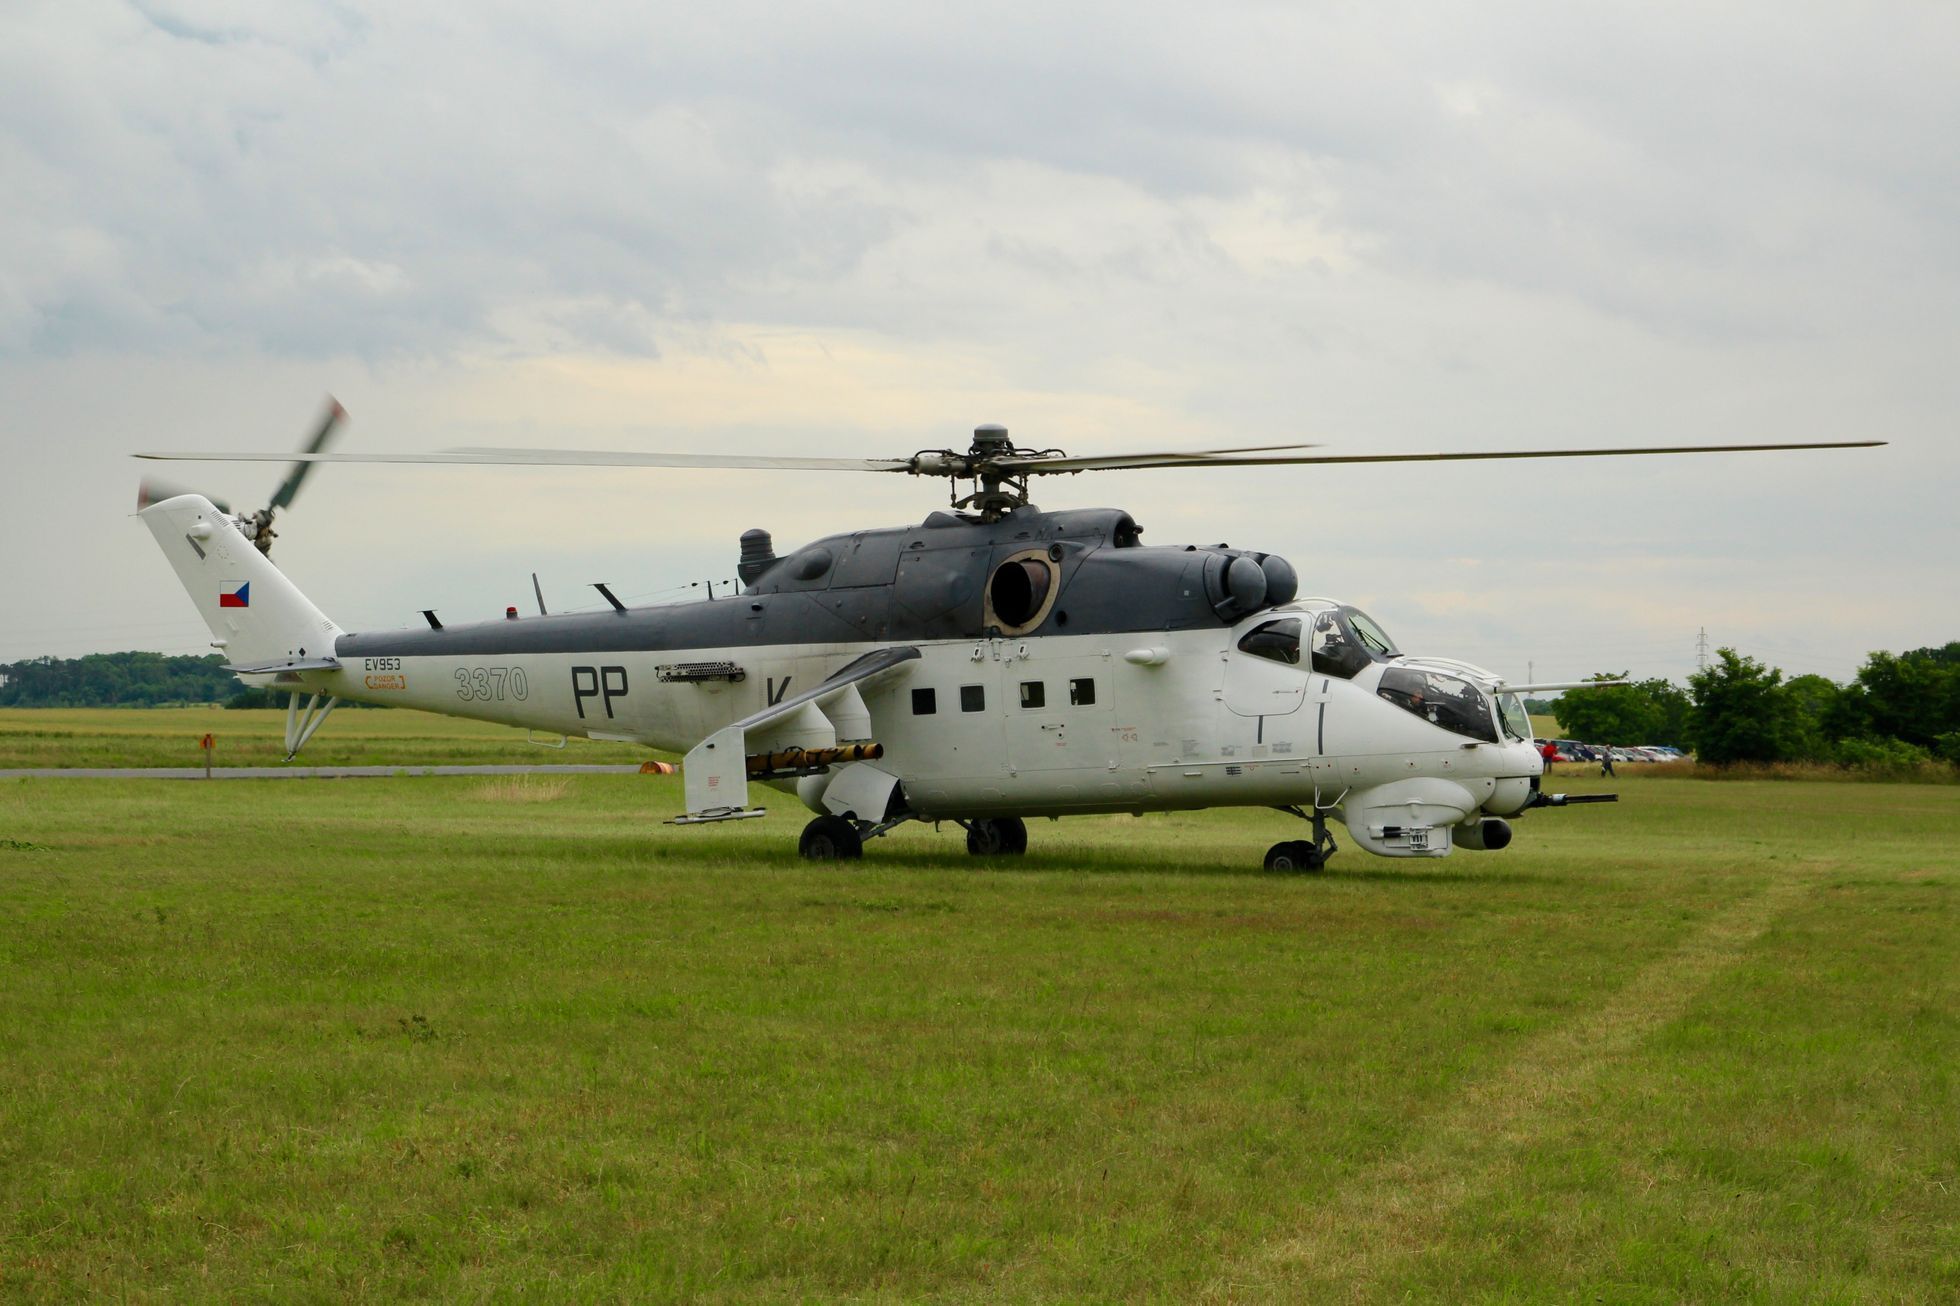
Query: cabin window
x=924 y=702
x=973 y=698
x=1277 y=640
x=1033 y=694
x=1082 y=693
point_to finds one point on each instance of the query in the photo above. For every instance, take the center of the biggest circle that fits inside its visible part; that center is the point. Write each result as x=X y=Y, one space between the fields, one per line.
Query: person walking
x=1606 y=761
x=1549 y=751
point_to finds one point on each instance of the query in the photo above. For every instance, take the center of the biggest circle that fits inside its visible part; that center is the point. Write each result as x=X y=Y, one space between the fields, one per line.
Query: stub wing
x=830 y=714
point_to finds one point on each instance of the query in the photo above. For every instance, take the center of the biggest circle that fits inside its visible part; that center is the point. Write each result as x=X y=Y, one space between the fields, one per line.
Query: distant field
x=168 y=736
x=452 y=1038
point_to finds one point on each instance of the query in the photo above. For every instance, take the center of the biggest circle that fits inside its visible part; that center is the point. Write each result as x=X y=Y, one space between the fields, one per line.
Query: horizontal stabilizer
x=284 y=664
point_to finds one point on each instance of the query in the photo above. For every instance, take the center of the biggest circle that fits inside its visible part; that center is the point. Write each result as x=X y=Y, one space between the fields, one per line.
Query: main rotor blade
x=1040 y=463
x=288 y=488
x=946 y=463
x=560 y=458
x=1223 y=458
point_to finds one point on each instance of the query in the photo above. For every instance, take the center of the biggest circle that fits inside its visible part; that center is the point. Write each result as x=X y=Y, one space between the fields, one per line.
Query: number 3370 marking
x=481 y=684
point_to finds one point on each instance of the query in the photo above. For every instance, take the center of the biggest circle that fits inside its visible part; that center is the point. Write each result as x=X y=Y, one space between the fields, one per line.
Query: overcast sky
x=861 y=229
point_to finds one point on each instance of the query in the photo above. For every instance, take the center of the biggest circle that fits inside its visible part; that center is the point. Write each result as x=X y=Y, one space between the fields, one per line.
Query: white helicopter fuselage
x=971 y=728
x=1052 y=726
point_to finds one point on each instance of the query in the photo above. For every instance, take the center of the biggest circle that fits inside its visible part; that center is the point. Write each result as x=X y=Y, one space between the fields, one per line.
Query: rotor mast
x=997 y=491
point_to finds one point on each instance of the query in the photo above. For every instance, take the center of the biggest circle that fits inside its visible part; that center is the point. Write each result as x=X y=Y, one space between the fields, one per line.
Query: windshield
x=1455 y=705
x=1372 y=636
x=1517 y=722
x=1335 y=651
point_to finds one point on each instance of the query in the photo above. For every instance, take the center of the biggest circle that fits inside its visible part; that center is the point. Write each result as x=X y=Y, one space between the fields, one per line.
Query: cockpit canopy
x=1342 y=642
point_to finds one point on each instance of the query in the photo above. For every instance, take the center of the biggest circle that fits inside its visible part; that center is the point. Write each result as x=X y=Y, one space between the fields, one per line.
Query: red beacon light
x=510 y=614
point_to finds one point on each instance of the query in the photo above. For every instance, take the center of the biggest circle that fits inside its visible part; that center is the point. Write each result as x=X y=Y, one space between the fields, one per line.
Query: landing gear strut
x=1005 y=836
x=1304 y=854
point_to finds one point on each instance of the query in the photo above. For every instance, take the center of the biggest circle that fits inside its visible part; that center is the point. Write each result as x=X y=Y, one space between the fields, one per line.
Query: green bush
x=1882 y=756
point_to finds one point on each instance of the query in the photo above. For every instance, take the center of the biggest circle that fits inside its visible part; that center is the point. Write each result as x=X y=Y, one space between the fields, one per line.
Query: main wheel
x=831 y=839
x=1294 y=855
x=1005 y=836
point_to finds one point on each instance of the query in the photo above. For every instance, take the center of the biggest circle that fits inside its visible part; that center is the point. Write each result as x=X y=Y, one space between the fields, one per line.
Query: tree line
x=127 y=680
x=1900 y=710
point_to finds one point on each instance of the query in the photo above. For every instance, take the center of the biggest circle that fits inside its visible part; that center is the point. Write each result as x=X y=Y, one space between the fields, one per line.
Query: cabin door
x=1056 y=712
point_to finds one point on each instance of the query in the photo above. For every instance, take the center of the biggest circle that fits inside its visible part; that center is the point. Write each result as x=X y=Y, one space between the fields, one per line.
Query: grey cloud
x=392 y=181
x=1724 y=172
x=379 y=196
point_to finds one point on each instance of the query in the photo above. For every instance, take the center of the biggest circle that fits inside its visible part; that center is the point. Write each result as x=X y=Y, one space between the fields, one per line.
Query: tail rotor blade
x=329 y=422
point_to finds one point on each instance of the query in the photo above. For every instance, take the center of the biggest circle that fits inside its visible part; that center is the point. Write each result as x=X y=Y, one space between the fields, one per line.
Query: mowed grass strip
x=452 y=1038
x=1397 y=1212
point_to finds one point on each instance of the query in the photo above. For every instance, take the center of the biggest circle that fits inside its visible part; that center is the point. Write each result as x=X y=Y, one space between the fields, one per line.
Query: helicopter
x=990 y=664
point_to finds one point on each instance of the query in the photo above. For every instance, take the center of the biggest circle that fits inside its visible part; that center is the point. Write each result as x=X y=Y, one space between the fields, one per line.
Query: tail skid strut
x=301 y=723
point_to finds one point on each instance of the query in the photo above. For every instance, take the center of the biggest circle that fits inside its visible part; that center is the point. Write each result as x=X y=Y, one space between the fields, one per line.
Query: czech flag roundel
x=235 y=594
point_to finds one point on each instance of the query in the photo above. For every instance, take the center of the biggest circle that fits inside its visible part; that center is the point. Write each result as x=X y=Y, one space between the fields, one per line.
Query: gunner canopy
x=1447 y=701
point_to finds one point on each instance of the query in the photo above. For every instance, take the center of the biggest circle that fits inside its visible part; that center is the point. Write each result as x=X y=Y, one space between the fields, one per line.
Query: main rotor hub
x=997 y=491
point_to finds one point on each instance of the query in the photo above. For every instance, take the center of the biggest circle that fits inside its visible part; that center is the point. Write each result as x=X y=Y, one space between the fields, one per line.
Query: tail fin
x=257 y=617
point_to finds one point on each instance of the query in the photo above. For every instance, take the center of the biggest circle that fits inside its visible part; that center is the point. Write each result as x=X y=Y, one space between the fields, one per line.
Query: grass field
x=454 y=1038
x=168 y=736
